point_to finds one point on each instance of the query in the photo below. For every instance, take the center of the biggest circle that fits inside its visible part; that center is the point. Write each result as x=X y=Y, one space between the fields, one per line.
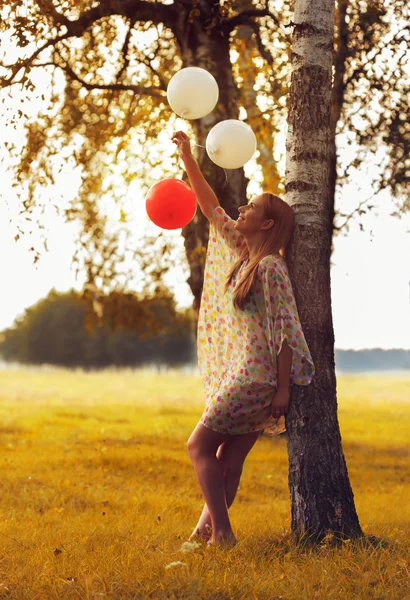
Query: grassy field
x=98 y=495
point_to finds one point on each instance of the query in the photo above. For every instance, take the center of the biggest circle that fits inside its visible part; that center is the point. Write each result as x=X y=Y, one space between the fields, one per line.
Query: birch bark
x=321 y=495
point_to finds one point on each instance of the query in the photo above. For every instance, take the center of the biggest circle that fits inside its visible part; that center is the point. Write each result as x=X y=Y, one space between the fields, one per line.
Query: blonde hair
x=276 y=241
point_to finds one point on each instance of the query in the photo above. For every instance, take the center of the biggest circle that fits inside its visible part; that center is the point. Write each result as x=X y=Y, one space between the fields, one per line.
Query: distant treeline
x=65 y=329
x=79 y=330
x=372 y=360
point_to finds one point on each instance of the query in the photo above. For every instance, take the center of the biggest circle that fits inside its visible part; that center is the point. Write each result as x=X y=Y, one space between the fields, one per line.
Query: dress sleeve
x=225 y=246
x=276 y=303
x=232 y=242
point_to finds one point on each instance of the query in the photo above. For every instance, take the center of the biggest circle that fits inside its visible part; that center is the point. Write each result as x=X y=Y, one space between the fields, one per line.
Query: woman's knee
x=191 y=446
x=195 y=442
x=233 y=453
x=196 y=447
x=230 y=462
x=204 y=441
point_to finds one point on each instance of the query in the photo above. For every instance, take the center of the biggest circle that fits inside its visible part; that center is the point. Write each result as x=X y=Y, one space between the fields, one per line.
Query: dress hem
x=233 y=432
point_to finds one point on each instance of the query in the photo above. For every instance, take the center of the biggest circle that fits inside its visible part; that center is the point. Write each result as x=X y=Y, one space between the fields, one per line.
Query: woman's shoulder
x=220 y=213
x=220 y=219
x=272 y=262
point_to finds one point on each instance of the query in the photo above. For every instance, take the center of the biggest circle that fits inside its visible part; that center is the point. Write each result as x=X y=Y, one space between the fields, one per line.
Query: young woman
x=251 y=345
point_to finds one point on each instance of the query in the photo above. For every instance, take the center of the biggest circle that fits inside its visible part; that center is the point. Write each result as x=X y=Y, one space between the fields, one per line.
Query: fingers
x=182 y=142
x=180 y=136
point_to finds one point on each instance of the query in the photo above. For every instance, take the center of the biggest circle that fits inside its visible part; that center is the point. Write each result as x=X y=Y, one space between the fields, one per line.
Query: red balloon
x=170 y=204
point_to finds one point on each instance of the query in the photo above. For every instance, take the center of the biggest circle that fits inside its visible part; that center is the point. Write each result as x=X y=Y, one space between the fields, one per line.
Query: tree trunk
x=211 y=52
x=341 y=55
x=321 y=495
x=262 y=128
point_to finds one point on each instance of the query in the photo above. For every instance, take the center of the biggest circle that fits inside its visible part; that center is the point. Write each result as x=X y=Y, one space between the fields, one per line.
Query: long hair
x=276 y=241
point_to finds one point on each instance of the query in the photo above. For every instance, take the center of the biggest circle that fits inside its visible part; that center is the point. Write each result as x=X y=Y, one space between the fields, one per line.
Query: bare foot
x=226 y=540
x=203 y=534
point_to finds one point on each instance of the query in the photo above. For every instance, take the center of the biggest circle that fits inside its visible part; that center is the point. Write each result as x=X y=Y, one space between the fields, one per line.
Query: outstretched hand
x=183 y=144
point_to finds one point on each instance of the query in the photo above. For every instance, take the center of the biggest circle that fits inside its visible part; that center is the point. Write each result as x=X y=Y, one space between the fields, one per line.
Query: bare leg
x=203 y=528
x=231 y=454
x=210 y=476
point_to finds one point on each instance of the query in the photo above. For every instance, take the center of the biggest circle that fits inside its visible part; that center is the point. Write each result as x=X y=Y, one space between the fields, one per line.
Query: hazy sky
x=370 y=272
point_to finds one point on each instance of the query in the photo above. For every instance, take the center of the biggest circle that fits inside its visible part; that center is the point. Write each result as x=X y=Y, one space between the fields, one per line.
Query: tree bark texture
x=321 y=495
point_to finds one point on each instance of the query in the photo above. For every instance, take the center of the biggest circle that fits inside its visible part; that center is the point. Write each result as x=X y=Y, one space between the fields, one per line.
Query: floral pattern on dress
x=237 y=349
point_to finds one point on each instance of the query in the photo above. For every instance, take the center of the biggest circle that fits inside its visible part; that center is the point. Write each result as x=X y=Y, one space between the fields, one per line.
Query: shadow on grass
x=285 y=544
x=374 y=453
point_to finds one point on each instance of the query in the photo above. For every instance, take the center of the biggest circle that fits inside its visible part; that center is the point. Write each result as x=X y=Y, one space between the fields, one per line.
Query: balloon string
x=199 y=145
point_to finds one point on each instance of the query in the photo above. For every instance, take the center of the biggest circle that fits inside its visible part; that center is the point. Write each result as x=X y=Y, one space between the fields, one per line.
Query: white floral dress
x=237 y=349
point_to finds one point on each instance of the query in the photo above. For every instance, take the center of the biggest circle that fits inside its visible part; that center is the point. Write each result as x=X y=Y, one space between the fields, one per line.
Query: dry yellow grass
x=98 y=494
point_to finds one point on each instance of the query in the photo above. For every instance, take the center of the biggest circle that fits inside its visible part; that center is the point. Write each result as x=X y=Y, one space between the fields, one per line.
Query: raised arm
x=205 y=195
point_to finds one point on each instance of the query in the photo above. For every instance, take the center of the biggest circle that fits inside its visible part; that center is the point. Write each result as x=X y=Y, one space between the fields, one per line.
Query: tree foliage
x=370 y=109
x=64 y=329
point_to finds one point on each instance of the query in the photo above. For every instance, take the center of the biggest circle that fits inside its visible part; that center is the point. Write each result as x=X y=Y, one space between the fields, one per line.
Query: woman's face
x=252 y=217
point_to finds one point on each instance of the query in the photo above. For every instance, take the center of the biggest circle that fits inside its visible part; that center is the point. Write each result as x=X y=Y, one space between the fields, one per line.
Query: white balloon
x=192 y=93
x=230 y=144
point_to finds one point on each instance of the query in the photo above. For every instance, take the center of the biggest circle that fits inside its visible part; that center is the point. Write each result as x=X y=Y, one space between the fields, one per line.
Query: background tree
x=370 y=114
x=132 y=331
x=322 y=499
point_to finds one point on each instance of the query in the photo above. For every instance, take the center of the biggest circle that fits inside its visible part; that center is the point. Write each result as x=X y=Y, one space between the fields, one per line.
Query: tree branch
x=142 y=90
x=146 y=62
x=138 y=10
x=124 y=50
x=49 y=9
x=16 y=67
x=246 y=18
x=264 y=52
x=358 y=210
x=360 y=71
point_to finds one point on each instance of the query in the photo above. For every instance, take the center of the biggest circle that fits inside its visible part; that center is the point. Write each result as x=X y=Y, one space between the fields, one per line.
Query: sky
x=370 y=274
